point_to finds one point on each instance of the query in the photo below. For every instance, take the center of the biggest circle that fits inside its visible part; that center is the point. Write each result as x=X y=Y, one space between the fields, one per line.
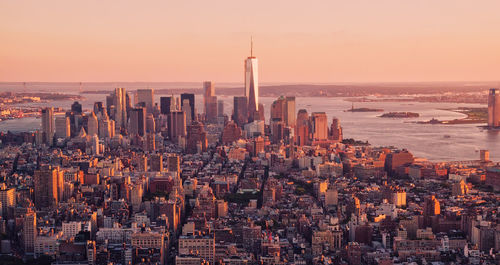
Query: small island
x=363 y=110
x=400 y=115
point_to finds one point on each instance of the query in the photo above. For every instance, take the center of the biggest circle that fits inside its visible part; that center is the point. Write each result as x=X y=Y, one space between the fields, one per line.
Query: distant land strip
x=308 y=90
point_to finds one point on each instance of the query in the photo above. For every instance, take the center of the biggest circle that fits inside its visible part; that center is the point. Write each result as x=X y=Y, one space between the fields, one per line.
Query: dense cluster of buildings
x=132 y=181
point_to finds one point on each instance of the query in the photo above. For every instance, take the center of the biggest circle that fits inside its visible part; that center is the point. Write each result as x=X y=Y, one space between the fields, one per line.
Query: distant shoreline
x=474 y=116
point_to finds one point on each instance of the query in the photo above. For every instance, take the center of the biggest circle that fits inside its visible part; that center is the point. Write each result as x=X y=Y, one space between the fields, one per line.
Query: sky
x=295 y=41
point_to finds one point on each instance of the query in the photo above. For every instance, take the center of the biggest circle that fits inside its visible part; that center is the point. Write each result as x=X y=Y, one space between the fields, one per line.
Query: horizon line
x=269 y=82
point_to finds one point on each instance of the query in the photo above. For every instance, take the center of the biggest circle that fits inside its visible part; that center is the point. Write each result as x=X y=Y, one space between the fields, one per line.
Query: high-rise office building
x=278 y=109
x=431 y=208
x=106 y=126
x=277 y=130
x=231 y=133
x=76 y=108
x=110 y=102
x=30 y=232
x=211 y=109
x=186 y=108
x=494 y=108
x=166 y=105
x=96 y=146
x=252 y=83
x=46 y=186
x=319 y=126
x=240 y=111
x=119 y=100
x=196 y=138
x=48 y=127
x=150 y=123
x=335 y=132
x=128 y=104
x=176 y=124
x=302 y=128
x=146 y=96
x=209 y=88
x=8 y=199
x=190 y=100
x=63 y=128
x=92 y=125
x=98 y=108
x=210 y=101
x=137 y=122
x=220 y=108
x=208 y=91
x=289 y=111
x=150 y=142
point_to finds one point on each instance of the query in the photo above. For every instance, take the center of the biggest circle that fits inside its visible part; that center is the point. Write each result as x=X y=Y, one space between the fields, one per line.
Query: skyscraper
x=252 y=83
x=220 y=108
x=210 y=101
x=231 y=133
x=211 y=109
x=63 y=128
x=186 y=108
x=277 y=130
x=190 y=98
x=319 y=126
x=46 y=187
x=98 y=108
x=302 y=128
x=208 y=89
x=76 y=108
x=165 y=105
x=150 y=123
x=92 y=125
x=240 y=111
x=106 y=126
x=137 y=123
x=110 y=106
x=150 y=142
x=176 y=124
x=431 y=208
x=494 y=108
x=8 y=199
x=335 y=132
x=290 y=111
x=29 y=232
x=196 y=138
x=48 y=127
x=120 y=107
x=278 y=109
x=146 y=96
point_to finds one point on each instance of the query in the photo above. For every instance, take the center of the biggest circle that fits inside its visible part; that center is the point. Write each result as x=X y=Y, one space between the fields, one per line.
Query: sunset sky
x=295 y=41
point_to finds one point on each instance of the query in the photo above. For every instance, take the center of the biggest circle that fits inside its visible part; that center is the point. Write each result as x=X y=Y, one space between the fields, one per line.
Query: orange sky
x=295 y=41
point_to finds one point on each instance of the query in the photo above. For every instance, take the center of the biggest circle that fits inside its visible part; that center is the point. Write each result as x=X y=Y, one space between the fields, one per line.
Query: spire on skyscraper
x=251 y=46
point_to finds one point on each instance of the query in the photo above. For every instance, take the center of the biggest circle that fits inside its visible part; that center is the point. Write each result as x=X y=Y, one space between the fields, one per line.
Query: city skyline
x=366 y=162
x=331 y=41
